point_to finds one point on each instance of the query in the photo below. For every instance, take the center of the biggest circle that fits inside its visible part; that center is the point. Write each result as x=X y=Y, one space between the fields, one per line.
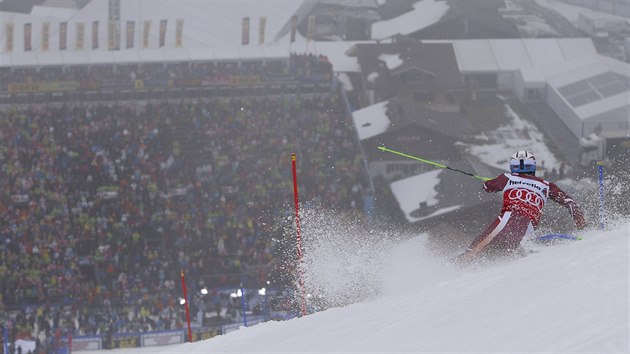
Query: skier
x=524 y=196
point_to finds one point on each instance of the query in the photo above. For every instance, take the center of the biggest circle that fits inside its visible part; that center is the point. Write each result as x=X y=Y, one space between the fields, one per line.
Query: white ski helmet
x=523 y=162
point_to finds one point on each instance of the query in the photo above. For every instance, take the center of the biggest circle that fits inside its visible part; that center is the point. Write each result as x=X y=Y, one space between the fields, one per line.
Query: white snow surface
x=566 y=298
x=424 y=14
x=391 y=60
x=371 y=120
x=410 y=192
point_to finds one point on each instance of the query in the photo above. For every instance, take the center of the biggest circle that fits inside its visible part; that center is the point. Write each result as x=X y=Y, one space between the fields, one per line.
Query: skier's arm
x=561 y=197
x=495 y=185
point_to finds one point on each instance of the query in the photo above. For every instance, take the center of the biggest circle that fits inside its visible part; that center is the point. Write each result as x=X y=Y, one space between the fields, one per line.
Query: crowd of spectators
x=299 y=67
x=102 y=205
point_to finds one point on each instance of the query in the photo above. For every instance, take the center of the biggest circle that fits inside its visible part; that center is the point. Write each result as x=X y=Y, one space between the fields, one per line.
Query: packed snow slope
x=570 y=297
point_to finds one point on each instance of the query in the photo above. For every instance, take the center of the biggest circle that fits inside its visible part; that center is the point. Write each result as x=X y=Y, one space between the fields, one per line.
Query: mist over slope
x=571 y=297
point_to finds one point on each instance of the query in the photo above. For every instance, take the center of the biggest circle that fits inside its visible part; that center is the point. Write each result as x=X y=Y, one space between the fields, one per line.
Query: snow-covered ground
x=529 y=25
x=571 y=297
x=572 y=12
x=516 y=134
x=424 y=14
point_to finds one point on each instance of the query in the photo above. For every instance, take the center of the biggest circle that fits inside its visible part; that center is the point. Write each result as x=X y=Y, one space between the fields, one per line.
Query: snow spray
x=348 y=259
x=600 y=167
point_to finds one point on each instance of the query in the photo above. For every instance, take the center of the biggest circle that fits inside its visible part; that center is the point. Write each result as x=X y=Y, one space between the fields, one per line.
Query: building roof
x=436 y=193
x=494 y=55
x=591 y=84
x=480 y=19
x=386 y=59
x=424 y=14
x=406 y=112
x=212 y=26
x=400 y=114
x=371 y=120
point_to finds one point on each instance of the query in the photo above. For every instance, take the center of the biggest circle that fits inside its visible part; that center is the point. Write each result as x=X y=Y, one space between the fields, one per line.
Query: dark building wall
x=23 y=6
x=413 y=140
x=462 y=28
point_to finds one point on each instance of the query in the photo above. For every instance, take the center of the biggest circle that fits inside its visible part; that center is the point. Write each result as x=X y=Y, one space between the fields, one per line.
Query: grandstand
x=121 y=168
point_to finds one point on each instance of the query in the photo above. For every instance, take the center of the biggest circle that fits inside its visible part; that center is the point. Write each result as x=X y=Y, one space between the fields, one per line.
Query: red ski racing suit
x=523 y=199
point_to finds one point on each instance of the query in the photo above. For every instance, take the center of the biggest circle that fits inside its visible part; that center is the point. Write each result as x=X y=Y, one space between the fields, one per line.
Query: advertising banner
x=27 y=37
x=145 y=33
x=113 y=35
x=80 y=35
x=244 y=80
x=262 y=23
x=206 y=333
x=86 y=343
x=10 y=31
x=48 y=86
x=163 y=24
x=162 y=338
x=312 y=23
x=131 y=30
x=179 y=33
x=45 y=36
x=94 y=34
x=63 y=35
x=125 y=341
x=245 y=31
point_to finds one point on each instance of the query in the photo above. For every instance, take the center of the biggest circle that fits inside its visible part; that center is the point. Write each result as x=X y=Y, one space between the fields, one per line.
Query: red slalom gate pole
x=186 y=305
x=298 y=231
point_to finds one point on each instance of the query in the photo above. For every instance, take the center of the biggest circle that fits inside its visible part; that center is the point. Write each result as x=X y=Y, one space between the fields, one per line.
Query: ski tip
x=382 y=148
x=550 y=237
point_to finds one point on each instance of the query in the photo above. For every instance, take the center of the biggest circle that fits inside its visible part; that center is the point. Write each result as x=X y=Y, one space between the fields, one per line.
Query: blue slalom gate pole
x=602 y=215
x=243 y=305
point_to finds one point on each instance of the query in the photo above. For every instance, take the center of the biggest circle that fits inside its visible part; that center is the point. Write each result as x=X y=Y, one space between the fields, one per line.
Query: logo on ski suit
x=525 y=195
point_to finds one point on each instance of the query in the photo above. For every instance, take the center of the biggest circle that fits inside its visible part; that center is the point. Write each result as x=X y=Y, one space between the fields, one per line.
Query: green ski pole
x=382 y=148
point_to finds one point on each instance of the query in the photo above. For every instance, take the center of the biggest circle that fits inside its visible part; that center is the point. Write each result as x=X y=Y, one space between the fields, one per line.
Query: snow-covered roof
x=411 y=192
x=207 y=24
x=494 y=55
x=573 y=12
x=336 y=53
x=371 y=120
x=586 y=67
x=345 y=81
x=425 y=13
x=392 y=61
